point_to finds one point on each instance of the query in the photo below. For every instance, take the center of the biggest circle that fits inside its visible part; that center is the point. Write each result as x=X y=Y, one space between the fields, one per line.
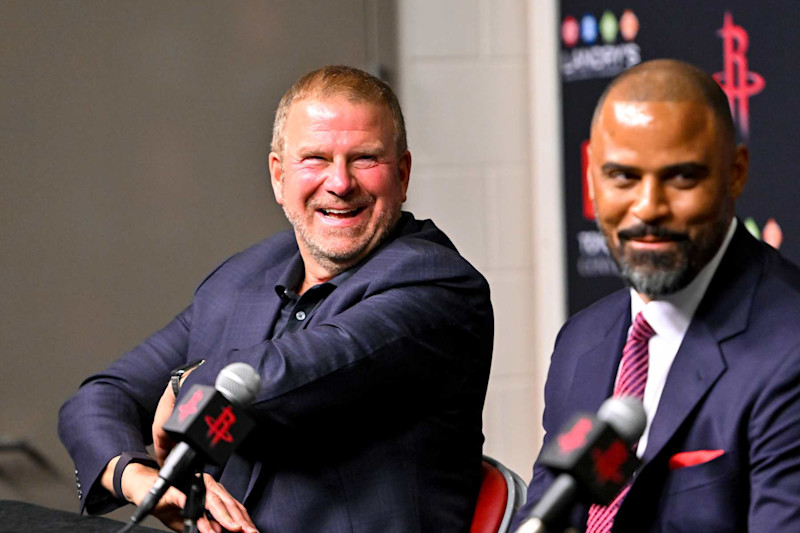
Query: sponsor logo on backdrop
x=772 y=233
x=598 y=48
x=736 y=80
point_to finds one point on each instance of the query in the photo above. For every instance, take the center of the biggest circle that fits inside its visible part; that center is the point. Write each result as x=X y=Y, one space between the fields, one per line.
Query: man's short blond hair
x=339 y=80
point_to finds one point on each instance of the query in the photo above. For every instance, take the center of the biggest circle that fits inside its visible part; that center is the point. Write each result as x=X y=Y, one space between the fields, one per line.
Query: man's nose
x=339 y=180
x=651 y=202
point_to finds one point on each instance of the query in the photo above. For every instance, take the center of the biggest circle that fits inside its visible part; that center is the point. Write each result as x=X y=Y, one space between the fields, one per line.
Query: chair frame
x=517 y=492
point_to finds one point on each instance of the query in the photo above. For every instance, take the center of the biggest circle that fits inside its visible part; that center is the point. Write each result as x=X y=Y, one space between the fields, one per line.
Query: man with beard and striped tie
x=708 y=332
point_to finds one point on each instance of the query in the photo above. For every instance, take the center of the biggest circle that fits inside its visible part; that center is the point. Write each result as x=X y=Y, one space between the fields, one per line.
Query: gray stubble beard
x=661 y=274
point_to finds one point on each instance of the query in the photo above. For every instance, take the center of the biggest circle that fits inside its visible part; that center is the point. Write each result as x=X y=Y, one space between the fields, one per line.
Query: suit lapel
x=255 y=313
x=596 y=369
x=252 y=321
x=697 y=366
x=722 y=313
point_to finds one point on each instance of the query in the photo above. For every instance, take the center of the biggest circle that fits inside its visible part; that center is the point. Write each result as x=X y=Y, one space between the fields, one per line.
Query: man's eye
x=623 y=177
x=683 y=180
x=365 y=161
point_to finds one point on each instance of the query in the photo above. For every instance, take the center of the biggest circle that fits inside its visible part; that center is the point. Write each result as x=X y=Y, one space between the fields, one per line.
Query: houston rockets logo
x=736 y=80
x=219 y=428
x=608 y=463
x=189 y=407
x=575 y=437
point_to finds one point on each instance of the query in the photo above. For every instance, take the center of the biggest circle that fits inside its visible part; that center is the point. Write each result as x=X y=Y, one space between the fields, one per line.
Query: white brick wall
x=478 y=87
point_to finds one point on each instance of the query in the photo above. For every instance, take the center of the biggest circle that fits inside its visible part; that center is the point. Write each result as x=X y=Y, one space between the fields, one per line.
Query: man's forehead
x=680 y=117
x=320 y=109
x=632 y=113
x=313 y=124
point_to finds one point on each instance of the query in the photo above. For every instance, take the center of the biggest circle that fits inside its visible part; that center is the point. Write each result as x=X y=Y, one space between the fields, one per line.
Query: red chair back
x=492 y=501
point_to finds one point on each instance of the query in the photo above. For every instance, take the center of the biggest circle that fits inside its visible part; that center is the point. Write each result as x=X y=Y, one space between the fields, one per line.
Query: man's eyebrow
x=697 y=170
x=617 y=167
x=306 y=149
x=370 y=149
x=691 y=169
x=365 y=149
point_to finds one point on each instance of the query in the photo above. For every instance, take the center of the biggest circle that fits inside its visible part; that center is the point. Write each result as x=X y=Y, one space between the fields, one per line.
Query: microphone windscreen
x=239 y=383
x=626 y=415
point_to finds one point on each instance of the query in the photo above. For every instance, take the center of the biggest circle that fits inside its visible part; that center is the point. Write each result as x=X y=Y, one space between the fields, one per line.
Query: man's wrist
x=177 y=375
x=124 y=460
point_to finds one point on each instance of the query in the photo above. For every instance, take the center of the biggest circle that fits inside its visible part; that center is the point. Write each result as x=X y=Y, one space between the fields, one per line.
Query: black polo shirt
x=297 y=309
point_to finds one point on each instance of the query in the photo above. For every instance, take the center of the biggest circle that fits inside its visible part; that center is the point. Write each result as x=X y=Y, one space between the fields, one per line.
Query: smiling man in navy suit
x=371 y=334
x=721 y=450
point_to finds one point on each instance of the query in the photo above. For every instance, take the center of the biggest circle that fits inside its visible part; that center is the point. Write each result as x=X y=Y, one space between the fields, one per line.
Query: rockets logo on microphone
x=576 y=436
x=209 y=422
x=219 y=428
x=593 y=453
x=189 y=407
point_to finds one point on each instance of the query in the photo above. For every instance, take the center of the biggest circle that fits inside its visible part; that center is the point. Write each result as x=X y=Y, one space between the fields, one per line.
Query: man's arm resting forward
x=137 y=479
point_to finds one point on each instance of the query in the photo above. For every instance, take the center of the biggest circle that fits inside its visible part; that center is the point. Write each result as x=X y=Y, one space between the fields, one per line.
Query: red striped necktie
x=630 y=382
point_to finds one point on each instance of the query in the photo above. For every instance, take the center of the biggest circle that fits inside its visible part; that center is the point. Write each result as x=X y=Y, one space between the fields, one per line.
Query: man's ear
x=404 y=167
x=276 y=176
x=741 y=166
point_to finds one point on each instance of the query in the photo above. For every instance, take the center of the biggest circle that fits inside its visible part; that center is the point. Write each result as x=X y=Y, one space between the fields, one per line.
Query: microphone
x=594 y=460
x=209 y=424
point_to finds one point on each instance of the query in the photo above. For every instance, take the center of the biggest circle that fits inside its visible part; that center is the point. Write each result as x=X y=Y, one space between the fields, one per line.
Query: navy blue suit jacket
x=734 y=386
x=369 y=417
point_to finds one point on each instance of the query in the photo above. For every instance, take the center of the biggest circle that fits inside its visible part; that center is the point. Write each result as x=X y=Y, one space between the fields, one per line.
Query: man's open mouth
x=341 y=213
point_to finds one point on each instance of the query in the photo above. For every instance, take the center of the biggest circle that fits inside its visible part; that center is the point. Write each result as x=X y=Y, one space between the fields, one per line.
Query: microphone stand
x=195 y=502
x=190 y=483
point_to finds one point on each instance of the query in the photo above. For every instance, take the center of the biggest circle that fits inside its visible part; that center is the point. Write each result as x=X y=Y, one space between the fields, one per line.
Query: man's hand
x=162 y=444
x=137 y=480
x=225 y=511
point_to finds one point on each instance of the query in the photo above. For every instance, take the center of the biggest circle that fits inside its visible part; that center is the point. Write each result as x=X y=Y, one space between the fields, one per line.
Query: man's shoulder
x=417 y=249
x=776 y=299
x=421 y=235
x=590 y=326
x=252 y=263
x=273 y=250
x=601 y=314
x=751 y=265
x=785 y=273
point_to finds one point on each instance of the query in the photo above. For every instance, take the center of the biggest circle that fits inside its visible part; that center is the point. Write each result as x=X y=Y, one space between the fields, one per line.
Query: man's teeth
x=340 y=212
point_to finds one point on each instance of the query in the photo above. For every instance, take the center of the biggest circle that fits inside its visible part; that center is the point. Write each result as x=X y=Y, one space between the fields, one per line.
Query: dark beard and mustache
x=658 y=274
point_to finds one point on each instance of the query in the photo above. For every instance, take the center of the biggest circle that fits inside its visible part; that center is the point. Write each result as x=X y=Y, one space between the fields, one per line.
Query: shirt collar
x=292 y=276
x=672 y=314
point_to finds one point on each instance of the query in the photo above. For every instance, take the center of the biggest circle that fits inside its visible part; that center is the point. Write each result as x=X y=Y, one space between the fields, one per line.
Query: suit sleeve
x=421 y=333
x=417 y=336
x=774 y=435
x=113 y=410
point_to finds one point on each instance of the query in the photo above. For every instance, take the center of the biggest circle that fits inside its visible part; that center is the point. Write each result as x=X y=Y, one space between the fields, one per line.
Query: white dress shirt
x=670 y=318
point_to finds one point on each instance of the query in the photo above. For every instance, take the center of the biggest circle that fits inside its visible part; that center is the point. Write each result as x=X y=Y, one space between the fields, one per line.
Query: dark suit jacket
x=734 y=386
x=369 y=417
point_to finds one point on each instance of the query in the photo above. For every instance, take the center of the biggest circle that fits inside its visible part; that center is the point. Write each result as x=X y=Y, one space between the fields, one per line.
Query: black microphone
x=594 y=460
x=208 y=424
